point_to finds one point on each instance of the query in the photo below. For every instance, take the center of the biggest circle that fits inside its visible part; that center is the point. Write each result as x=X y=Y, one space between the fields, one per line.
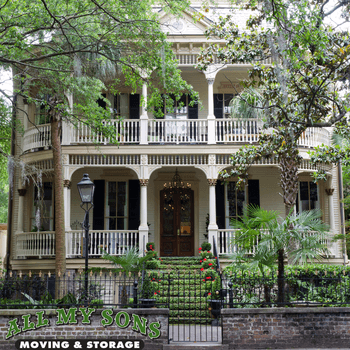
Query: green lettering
x=64 y=318
x=155 y=331
x=27 y=326
x=41 y=322
x=13 y=329
x=86 y=314
x=138 y=325
x=126 y=321
x=107 y=319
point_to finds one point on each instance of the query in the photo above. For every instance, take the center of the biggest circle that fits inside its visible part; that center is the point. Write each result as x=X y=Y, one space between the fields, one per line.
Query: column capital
x=144 y=182
x=329 y=191
x=22 y=191
x=212 y=182
x=67 y=183
x=210 y=81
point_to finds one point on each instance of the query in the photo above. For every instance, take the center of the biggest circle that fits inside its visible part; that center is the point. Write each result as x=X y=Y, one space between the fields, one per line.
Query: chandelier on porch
x=176 y=182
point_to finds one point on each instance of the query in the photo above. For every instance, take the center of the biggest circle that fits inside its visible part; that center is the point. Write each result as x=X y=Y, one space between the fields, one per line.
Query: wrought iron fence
x=193 y=294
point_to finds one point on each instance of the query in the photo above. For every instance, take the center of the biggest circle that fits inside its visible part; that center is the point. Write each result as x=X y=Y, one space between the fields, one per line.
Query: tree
x=81 y=48
x=264 y=238
x=305 y=86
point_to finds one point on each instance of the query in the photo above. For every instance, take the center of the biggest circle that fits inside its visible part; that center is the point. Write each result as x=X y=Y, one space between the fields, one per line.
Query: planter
x=147 y=303
x=215 y=307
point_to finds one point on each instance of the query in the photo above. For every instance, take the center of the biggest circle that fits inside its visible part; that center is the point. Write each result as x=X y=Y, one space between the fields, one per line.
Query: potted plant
x=148 y=292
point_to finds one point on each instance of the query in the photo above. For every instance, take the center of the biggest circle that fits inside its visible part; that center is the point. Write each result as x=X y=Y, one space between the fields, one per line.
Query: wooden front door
x=176 y=222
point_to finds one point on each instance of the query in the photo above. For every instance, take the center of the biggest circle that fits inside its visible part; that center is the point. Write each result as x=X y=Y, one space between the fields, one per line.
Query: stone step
x=195 y=346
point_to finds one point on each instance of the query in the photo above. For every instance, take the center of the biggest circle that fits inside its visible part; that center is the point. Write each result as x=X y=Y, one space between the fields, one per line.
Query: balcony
x=167 y=132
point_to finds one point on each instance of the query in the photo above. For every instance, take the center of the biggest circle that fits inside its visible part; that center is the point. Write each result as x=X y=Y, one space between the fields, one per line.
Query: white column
x=144 y=117
x=143 y=228
x=67 y=208
x=329 y=192
x=21 y=193
x=212 y=227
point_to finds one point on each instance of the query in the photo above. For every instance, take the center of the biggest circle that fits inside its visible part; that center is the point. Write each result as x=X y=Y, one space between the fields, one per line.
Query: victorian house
x=161 y=184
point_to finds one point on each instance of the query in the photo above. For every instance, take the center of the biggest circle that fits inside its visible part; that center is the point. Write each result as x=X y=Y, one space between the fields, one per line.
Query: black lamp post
x=86 y=190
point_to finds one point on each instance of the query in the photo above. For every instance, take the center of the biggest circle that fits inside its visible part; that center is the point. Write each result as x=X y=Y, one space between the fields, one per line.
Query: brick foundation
x=94 y=331
x=286 y=328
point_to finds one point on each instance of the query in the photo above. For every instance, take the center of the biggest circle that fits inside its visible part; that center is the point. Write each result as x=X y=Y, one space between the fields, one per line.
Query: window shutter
x=99 y=205
x=101 y=102
x=192 y=110
x=134 y=101
x=254 y=192
x=134 y=205
x=218 y=106
x=220 y=205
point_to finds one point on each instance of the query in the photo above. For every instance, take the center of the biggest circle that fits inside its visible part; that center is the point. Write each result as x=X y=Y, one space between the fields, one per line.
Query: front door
x=176 y=222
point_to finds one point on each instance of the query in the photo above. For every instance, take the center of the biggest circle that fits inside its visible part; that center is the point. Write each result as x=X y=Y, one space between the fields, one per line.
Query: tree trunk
x=280 y=293
x=289 y=181
x=60 y=263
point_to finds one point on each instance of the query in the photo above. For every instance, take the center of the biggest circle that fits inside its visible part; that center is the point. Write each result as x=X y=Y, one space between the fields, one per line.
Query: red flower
x=203 y=280
x=199 y=248
x=200 y=260
x=150 y=246
x=208 y=251
x=216 y=257
x=213 y=268
x=160 y=259
x=204 y=259
x=202 y=269
x=155 y=293
x=159 y=291
x=209 y=293
x=210 y=264
x=208 y=277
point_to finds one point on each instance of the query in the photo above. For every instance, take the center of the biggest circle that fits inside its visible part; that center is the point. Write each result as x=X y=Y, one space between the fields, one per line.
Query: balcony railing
x=177 y=131
x=37 y=137
x=168 y=131
x=42 y=244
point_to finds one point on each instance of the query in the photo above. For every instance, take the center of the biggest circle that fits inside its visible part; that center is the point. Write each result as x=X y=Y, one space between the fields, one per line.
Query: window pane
x=121 y=198
x=112 y=199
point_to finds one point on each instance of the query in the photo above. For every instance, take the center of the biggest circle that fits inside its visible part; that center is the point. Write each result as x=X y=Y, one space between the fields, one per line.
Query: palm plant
x=129 y=263
x=263 y=238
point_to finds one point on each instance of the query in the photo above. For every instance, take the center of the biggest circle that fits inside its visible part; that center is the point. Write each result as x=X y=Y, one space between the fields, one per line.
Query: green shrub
x=206 y=246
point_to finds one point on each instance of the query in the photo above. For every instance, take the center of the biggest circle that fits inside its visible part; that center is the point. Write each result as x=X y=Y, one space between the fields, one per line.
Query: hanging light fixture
x=176 y=182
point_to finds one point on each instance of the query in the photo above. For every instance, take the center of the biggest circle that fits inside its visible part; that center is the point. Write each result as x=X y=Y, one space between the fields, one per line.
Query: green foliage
x=206 y=246
x=150 y=246
x=130 y=262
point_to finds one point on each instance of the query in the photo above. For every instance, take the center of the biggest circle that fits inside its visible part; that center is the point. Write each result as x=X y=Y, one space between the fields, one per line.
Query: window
x=41 y=110
x=43 y=208
x=222 y=107
x=307 y=197
x=180 y=109
x=116 y=217
x=235 y=200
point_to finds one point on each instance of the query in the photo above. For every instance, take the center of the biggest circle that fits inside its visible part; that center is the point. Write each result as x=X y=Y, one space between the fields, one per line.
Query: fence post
x=230 y=294
x=135 y=293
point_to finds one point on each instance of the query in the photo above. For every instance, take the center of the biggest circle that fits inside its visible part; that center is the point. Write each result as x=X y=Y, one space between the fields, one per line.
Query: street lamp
x=86 y=190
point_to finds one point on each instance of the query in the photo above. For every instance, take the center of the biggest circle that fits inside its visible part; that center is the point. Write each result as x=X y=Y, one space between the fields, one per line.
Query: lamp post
x=86 y=190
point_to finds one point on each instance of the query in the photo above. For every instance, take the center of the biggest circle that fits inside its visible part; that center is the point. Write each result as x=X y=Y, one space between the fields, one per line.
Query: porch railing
x=226 y=242
x=37 y=137
x=35 y=244
x=177 y=131
x=42 y=244
x=113 y=242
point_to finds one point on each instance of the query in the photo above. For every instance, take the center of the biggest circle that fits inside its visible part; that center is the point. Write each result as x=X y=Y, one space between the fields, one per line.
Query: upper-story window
x=43 y=208
x=41 y=115
x=180 y=109
x=122 y=105
x=222 y=108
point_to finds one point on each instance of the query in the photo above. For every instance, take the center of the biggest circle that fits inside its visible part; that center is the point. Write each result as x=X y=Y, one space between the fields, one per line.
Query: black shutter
x=192 y=110
x=101 y=102
x=134 y=205
x=134 y=104
x=218 y=105
x=254 y=192
x=99 y=205
x=220 y=204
